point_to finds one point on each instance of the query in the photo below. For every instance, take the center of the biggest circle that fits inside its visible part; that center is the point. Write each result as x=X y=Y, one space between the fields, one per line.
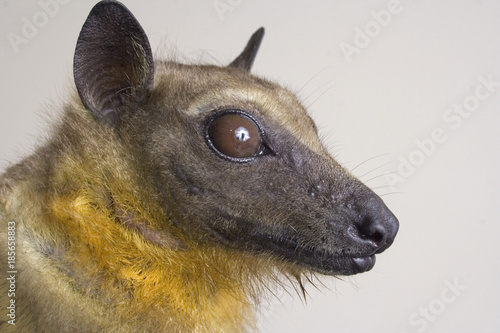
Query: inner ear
x=113 y=63
x=246 y=58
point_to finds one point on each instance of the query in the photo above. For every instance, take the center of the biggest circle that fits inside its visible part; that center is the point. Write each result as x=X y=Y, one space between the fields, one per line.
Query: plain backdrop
x=406 y=94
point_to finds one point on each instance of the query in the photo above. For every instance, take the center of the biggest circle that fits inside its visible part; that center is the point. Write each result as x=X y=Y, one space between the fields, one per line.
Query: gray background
x=378 y=107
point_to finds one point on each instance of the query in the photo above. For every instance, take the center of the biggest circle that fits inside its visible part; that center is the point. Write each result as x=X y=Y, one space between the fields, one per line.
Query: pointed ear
x=246 y=58
x=113 y=63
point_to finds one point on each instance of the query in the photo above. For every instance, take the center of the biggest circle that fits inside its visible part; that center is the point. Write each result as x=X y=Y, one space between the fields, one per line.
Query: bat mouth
x=315 y=259
x=357 y=255
x=347 y=262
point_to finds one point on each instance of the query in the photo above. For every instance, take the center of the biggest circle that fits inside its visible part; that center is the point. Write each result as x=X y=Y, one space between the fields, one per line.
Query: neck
x=125 y=253
x=108 y=252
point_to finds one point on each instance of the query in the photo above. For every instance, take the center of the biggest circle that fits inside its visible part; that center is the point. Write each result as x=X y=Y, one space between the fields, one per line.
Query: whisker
x=382 y=175
x=380 y=166
x=381 y=187
x=312 y=78
x=389 y=193
x=331 y=85
x=367 y=160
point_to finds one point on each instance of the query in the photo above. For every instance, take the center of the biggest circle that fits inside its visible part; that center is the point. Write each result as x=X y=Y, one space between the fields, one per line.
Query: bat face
x=241 y=165
x=235 y=159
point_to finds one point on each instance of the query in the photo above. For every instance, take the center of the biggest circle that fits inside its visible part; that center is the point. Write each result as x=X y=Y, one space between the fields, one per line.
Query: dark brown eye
x=235 y=135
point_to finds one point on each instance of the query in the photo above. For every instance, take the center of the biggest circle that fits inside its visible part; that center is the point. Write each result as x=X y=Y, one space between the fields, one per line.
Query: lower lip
x=344 y=265
x=364 y=264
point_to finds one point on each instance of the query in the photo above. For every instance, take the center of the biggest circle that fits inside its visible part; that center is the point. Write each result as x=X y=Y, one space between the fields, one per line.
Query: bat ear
x=246 y=58
x=113 y=64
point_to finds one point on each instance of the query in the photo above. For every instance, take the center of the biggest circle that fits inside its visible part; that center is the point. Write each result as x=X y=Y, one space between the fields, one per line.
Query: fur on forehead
x=213 y=88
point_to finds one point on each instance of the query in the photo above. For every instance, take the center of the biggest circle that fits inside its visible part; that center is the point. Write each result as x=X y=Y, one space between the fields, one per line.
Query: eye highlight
x=235 y=135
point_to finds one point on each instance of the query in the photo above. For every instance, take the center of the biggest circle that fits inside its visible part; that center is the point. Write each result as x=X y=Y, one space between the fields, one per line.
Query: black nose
x=376 y=226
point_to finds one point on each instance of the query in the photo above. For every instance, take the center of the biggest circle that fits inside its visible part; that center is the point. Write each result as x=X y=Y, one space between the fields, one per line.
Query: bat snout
x=376 y=226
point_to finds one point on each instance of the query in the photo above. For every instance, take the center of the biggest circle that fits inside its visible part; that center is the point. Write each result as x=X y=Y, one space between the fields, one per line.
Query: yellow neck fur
x=191 y=287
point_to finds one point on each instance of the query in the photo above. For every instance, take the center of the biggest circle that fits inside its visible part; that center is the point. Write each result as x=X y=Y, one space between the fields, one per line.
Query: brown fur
x=130 y=222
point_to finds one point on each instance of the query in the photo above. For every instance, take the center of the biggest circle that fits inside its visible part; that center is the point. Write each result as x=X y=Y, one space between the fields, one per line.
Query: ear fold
x=246 y=58
x=113 y=63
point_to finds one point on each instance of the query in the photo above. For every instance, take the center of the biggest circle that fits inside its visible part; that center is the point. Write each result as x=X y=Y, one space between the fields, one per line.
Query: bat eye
x=235 y=135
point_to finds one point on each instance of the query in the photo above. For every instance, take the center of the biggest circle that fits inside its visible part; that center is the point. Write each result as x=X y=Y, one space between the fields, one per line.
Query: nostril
x=372 y=231
x=360 y=236
x=377 y=237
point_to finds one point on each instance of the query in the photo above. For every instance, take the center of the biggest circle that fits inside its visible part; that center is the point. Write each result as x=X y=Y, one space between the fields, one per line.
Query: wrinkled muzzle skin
x=295 y=203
